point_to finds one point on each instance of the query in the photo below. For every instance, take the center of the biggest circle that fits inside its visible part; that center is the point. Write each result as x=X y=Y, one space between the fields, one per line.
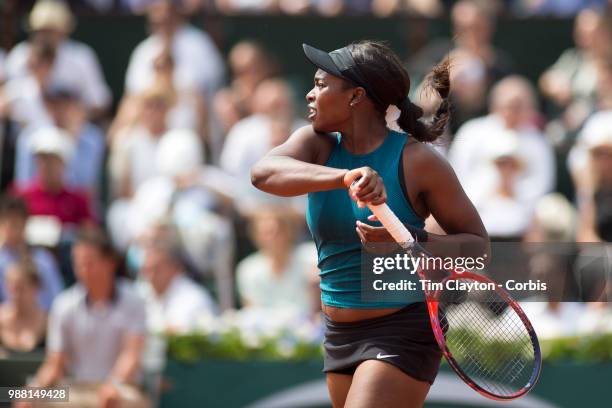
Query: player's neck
x=364 y=134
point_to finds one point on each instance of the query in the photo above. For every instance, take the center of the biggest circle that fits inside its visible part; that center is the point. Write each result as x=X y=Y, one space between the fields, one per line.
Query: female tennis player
x=377 y=354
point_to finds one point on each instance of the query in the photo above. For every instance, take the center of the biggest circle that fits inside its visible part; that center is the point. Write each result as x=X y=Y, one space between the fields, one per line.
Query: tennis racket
x=484 y=334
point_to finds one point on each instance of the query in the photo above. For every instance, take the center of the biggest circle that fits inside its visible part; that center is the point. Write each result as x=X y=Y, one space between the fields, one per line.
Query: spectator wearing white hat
x=76 y=63
x=551 y=251
x=505 y=212
x=595 y=132
x=84 y=169
x=513 y=107
x=550 y=258
x=193 y=198
x=590 y=162
x=176 y=158
x=47 y=195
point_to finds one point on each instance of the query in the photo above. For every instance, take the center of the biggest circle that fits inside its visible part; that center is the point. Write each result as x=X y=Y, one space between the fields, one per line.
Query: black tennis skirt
x=403 y=338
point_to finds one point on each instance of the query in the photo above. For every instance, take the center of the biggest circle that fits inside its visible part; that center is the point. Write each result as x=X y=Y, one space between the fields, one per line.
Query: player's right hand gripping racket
x=484 y=335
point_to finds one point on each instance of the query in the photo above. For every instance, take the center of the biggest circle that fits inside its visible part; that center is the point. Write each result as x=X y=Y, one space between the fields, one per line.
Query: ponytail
x=410 y=114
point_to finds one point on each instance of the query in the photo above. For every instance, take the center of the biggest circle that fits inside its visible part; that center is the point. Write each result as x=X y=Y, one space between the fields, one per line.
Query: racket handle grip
x=392 y=224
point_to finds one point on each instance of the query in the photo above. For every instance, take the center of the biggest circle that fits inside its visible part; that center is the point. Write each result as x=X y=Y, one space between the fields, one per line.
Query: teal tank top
x=331 y=217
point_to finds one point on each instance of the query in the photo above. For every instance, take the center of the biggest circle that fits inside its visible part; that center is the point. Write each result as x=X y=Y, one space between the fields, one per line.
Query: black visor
x=339 y=63
x=323 y=60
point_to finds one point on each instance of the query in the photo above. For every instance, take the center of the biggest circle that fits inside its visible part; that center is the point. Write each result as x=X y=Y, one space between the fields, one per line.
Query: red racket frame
x=432 y=306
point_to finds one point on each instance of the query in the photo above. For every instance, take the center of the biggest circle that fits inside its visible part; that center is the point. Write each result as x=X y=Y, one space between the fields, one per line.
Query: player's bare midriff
x=344 y=315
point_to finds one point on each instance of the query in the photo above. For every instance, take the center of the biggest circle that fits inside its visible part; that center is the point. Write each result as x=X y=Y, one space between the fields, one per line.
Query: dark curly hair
x=387 y=78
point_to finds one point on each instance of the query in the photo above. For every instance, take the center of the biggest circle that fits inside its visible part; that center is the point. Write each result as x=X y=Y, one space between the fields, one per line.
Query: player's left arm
x=436 y=188
x=443 y=197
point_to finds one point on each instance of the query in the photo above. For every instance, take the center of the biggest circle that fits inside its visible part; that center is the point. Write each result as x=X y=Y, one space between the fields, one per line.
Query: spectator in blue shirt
x=13 y=217
x=68 y=113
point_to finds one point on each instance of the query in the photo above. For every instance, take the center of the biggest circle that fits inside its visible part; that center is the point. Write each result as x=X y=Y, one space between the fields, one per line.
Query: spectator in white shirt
x=277 y=275
x=513 y=107
x=594 y=133
x=76 y=64
x=198 y=63
x=134 y=147
x=23 y=95
x=96 y=332
x=251 y=138
x=503 y=211
x=188 y=110
x=175 y=162
x=195 y=199
x=174 y=302
x=476 y=62
x=250 y=65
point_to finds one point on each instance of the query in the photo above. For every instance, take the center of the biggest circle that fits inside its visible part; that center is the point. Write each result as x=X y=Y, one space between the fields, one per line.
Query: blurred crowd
x=329 y=8
x=117 y=225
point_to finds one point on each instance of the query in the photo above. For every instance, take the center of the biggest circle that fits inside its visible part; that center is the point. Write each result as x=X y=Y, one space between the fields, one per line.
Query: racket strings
x=487 y=339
